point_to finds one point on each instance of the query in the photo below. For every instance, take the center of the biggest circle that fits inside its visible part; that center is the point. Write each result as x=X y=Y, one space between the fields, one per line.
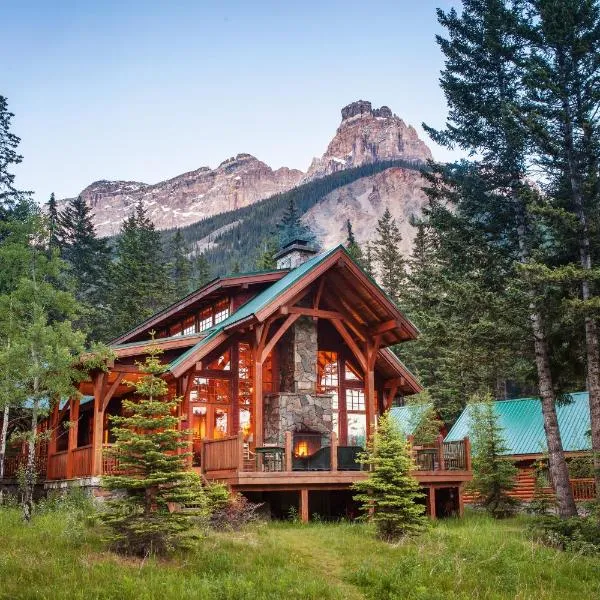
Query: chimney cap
x=298 y=244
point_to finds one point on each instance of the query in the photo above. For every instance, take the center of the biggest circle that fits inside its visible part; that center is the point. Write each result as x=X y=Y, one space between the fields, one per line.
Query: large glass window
x=328 y=381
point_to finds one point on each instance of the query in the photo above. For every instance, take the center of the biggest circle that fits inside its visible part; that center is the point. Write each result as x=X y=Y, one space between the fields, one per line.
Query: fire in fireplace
x=306 y=443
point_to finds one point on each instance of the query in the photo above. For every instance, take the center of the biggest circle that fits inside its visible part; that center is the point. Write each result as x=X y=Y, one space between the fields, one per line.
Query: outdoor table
x=273 y=458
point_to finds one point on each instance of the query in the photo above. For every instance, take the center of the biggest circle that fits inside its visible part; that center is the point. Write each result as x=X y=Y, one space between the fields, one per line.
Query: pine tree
x=291 y=227
x=493 y=475
x=54 y=226
x=180 y=266
x=486 y=50
x=352 y=246
x=139 y=273
x=149 y=447
x=10 y=197
x=266 y=259
x=390 y=492
x=201 y=268
x=388 y=258
x=38 y=344
x=369 y=261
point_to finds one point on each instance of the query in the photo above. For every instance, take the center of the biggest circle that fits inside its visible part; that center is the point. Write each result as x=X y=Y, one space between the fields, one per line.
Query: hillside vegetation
x=236 y=236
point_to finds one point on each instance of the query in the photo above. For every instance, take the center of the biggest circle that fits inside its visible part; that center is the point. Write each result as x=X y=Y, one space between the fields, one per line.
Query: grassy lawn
x=56 y=558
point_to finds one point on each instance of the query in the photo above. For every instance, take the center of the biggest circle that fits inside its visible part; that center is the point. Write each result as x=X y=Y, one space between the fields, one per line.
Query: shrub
x=577 y=534
x=234 y=512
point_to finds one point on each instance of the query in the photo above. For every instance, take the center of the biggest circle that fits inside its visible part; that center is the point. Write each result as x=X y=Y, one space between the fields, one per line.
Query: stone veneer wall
x=294 y=411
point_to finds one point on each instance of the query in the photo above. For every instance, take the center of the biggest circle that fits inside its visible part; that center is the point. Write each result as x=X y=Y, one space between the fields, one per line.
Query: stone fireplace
x=298 y=407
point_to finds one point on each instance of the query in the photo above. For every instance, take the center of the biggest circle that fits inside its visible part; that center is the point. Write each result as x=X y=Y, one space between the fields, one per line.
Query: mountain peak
x=364 y=107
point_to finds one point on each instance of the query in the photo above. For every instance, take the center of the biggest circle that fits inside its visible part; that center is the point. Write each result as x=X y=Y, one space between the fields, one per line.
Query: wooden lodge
x=282 y=375
x=523 y=430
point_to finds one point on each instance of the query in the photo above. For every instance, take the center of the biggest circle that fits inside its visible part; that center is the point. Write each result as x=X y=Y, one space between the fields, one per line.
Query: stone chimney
x=294 y=254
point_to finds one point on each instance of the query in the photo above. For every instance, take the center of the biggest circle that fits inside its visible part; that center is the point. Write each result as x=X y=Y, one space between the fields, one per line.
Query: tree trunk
x=559 y=472
x=30 y=468
x=585 y=259
x=3 y=436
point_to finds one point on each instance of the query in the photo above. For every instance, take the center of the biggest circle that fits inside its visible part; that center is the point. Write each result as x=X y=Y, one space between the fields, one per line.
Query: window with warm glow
x=189 y=326
x=205 y=320
x=221 y=311
x=328 y=381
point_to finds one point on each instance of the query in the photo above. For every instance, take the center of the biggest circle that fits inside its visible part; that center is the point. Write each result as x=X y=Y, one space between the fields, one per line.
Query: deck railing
x=57 y=465
x=225 y=454
x=442 y=456
x=583 y=489
x=82 y=461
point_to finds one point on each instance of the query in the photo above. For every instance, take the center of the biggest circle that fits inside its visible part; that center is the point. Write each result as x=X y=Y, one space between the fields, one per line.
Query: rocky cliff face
x=368 y=135
x=190 y=197
x=363 y=202
x=365 y=135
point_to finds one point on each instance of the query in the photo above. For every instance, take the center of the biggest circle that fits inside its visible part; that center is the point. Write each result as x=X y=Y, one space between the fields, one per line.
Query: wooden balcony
x=231 y=460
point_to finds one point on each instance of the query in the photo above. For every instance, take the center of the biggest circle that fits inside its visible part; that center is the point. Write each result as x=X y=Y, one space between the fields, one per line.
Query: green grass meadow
x=56 y=557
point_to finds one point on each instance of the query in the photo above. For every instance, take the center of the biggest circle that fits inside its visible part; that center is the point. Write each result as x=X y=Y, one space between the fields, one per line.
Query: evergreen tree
x=202 y=274
x=352 y=246
x=235 y=268
x=88 y=257
x=493 y=475
x=291 y=227
x=139 y=273
x=266 y=260
x=10 y=197
x=369 y=261
x=54 y=226
x=388 y=258
x=390 y=492
x=485 y=50
x=38 y=344
x=180 y=266
x=149 y=446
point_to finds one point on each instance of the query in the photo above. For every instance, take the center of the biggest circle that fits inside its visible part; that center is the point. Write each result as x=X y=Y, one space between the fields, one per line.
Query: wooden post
x=334 y=447
x=235 y=393
x=431 y=498
x=98 y=424
x=258 y=403
x=440 y=446
x=241 y=451
x=304 y=505
x=72 y=439
x=288 y=450
x=370 y=401
x=461 y=501
x=467 y=454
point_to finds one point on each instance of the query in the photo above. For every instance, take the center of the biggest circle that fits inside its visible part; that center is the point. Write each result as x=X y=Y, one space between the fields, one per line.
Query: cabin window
x=350 y=373
x=189 y=326
x=355 y=400
x=175 y=329
x=211 y=390
x=328 y=381
x=357 y=429
x=221 y=363
x=221 y=311
x=205 y=320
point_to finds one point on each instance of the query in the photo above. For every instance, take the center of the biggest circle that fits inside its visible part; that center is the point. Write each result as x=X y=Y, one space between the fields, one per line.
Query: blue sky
x=145 y=90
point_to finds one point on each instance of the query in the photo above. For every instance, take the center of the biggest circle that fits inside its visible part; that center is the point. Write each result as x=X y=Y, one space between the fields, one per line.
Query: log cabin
x=523 y=432
x=283 y=375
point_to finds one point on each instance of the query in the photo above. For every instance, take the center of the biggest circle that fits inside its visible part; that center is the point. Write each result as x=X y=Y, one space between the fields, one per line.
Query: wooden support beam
x=314 y=312
x=98 y=423
x=72 y=441
x=264 y=351
x=397 y=382
x=304 y=505
x=391 y=394
x=258 y=403
x=358 y=354
x=385 y=327
x=341 y=307
x=334 y=447
x=440 y=448
x=288 y=451
x=319 y=292
x=431 y=502
x=468 y=454
x=111 y=390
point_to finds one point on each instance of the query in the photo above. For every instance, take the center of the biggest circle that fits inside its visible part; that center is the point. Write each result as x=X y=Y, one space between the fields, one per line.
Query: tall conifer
x=388 y=258
x=180 y=268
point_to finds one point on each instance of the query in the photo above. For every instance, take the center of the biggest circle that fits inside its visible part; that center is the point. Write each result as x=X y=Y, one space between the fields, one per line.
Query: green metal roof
x=523 y=424
x=407 y=417
x=259 y=302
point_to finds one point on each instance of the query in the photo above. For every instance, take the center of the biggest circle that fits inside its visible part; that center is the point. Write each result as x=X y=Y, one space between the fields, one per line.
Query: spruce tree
x=493 y=475
x=266 y=259
x=369 y=261
x=291 y=227
x=139 y=274
x=89 y=259
x=388 y=258
x=180 y=268
x=352 y=246
x=201 y=271
x=486 y=49
x=10 y=197
x=390 y=493
x=54 y=226
x=153 y=470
